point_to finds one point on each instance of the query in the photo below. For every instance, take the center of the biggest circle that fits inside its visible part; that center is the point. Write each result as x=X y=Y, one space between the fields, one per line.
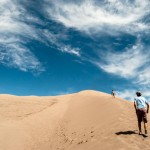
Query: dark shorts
x=141 y=115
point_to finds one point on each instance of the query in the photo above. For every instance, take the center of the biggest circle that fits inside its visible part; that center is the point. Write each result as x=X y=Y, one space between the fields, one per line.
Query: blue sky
x=58 y=47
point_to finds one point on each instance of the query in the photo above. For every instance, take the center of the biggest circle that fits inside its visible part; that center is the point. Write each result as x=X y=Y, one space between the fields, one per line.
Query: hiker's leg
x=139 y=125
x=139 y=117
x=145 y=127
x=145 y=120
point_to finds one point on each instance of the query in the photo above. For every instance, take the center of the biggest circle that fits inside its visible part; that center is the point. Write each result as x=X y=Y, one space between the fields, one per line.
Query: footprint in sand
x=92 y=131
x=80 y=142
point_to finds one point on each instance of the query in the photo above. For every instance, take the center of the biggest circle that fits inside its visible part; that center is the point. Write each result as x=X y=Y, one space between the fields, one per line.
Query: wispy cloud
x=17 y=28
x=70 y=50
x=129 y=94
x=14 y=31
x=19 y=57
x=126 y=64
x=144 y=76
x=55 y=40
x=92 y=16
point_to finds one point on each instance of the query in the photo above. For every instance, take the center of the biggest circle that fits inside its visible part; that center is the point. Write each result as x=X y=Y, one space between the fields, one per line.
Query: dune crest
x=88 y=120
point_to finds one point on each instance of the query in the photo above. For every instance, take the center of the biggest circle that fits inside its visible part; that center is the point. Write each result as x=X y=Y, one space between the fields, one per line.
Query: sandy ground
x=88 y=120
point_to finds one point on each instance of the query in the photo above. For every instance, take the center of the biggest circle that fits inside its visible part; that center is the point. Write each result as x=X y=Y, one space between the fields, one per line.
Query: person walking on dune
x=113 y=93
x=142 y=108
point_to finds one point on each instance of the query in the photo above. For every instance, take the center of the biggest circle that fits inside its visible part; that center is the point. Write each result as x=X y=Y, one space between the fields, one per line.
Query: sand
x=88 y=120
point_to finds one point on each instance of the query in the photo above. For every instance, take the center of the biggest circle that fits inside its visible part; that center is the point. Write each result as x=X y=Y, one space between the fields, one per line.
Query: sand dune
x=88 y=120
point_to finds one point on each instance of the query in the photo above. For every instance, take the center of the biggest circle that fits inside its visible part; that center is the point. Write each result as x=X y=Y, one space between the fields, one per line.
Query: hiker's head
x=138 y=93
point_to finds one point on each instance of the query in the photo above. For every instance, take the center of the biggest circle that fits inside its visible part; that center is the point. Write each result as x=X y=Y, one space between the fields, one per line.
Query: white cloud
x=12 y=51
x=113 y=15
x=127 y=94
x=130 y=94
x=125 y=64
x=144 y=76
x=54 y=39
x=19 y=57
x=68 y=49
x=16 y=29
x=146 y=93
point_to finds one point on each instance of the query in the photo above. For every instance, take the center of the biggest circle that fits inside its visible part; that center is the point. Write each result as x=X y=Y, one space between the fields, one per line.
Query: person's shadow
x=126 y=132
x=129 y=133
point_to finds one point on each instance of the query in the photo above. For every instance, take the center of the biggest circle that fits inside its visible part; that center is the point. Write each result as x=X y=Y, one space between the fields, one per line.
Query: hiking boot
x=140 y=132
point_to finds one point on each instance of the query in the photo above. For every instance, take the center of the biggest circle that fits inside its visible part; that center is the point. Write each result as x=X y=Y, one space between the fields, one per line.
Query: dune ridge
x=88 y=120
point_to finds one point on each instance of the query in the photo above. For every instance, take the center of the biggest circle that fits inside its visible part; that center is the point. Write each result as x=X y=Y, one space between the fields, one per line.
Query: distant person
x=113 y=93
x=142 y=108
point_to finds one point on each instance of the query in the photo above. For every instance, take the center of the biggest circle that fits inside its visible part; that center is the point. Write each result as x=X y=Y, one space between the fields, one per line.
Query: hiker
x=113 y=93
x=142 y=108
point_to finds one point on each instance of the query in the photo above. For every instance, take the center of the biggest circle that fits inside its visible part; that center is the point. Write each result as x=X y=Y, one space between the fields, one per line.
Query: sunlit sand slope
x=88 y=120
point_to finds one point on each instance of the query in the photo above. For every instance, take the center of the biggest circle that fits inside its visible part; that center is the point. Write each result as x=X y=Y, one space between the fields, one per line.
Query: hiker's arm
x=135 y=105
x=147 y=107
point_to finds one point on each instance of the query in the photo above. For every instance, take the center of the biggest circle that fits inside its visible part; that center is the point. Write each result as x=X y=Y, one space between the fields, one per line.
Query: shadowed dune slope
x=88 y=120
